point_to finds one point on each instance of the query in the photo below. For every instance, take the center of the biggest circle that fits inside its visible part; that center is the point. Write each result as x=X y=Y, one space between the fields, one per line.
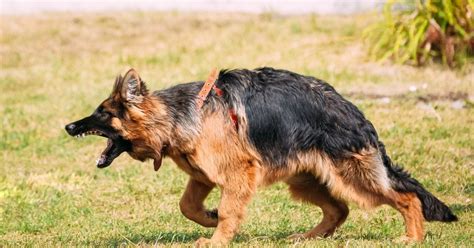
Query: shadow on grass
x=459 y=208
x=155 y=238
x=187 y=238
x=190 y=237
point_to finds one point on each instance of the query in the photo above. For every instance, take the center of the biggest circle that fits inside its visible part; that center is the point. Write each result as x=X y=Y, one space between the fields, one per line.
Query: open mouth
x=107 y=156
x=91 y=132
x=115 y=147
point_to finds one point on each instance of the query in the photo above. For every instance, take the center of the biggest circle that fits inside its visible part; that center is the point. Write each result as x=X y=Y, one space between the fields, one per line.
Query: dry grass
x=55 y=68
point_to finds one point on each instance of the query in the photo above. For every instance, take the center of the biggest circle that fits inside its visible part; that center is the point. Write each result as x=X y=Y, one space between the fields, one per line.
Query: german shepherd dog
x=288 y=127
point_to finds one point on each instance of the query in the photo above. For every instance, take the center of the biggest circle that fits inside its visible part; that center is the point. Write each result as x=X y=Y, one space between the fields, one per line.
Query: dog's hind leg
x=409 y=206
x=307 y=188
x=364 y=179
x=192 y=206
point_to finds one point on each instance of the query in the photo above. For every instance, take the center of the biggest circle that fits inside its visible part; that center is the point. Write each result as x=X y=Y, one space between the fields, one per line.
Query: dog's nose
x=70 y=128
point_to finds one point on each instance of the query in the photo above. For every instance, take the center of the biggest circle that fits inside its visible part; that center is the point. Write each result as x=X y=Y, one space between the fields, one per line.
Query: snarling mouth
x=113 y=149
x=116 y=145
x=91 y=132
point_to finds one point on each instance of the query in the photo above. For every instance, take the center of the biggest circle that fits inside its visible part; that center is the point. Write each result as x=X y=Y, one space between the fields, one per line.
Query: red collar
x=209 y=85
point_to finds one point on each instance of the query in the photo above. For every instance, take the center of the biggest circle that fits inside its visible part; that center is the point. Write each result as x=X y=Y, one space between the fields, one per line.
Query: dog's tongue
x=103 y=159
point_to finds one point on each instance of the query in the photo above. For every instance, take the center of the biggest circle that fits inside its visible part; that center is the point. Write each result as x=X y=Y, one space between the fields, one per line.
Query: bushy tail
x=433 y=208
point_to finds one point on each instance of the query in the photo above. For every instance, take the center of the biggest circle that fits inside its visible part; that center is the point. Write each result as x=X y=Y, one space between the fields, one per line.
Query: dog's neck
x=181 y=116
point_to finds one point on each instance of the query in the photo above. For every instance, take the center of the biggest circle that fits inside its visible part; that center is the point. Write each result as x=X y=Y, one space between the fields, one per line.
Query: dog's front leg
x=192 y=206
x=235 y=196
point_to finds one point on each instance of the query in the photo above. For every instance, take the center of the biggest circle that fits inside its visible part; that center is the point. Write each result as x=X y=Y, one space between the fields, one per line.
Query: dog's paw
x=202 y=242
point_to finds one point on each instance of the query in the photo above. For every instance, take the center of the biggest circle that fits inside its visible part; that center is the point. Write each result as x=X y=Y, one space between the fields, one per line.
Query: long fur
x=433 y=208
x=288 y=113
x=291 y=128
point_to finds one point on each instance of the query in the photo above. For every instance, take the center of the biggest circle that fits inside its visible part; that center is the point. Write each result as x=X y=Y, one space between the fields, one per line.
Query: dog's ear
x=132 y=89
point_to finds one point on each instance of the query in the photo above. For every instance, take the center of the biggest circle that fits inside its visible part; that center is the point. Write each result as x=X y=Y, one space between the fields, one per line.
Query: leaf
x=401 y=32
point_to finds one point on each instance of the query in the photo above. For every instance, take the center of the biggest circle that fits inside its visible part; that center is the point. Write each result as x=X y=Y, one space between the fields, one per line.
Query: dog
x=255 y=128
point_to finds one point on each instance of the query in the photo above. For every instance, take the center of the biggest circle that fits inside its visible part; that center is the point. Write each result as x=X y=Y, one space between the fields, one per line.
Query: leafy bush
x=418 y=31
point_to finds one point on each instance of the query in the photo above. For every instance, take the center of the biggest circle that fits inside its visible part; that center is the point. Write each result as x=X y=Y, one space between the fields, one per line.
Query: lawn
x=56 y=68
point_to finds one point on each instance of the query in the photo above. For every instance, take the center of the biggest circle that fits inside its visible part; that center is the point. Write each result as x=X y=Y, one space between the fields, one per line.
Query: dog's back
x=287 y=113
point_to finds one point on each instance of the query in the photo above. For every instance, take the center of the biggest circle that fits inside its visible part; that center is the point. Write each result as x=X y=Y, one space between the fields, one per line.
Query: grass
x=56 y=68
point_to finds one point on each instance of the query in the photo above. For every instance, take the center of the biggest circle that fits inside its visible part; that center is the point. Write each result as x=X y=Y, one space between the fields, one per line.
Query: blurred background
x=407 y=64
x=248 y=6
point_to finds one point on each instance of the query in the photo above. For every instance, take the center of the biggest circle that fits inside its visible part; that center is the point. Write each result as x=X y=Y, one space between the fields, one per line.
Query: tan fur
x=410 y=207
x=146 y=136
x=191 y=203
x=360 y=178
x=213 y=153
x=306 y=188
x=226 y=162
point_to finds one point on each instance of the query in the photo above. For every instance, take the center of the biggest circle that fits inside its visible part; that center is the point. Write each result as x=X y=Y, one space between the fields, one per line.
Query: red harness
x=209 y=85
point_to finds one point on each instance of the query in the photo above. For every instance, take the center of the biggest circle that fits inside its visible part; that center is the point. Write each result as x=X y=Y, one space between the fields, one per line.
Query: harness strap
x=209 y=85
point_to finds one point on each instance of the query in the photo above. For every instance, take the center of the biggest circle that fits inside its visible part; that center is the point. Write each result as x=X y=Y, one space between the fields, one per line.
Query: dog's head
x=120 y=119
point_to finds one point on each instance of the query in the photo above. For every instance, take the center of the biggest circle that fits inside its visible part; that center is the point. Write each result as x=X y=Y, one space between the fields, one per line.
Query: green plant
x=417 y=31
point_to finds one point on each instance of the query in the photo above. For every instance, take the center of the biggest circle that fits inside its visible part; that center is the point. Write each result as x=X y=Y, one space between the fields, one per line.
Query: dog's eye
x=102 y=115
x=105 y=115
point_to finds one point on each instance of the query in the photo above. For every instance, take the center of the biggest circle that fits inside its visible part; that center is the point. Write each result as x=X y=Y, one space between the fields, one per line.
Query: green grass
x=57 y=68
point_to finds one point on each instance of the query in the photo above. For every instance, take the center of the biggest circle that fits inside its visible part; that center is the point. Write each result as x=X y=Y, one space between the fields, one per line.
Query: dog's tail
x=401 y=181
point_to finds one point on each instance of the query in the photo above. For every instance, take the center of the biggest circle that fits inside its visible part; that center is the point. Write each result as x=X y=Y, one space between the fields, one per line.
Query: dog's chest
x=188 y=165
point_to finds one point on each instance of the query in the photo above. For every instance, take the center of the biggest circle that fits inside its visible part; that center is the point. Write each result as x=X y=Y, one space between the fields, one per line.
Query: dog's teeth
x=100 y=160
